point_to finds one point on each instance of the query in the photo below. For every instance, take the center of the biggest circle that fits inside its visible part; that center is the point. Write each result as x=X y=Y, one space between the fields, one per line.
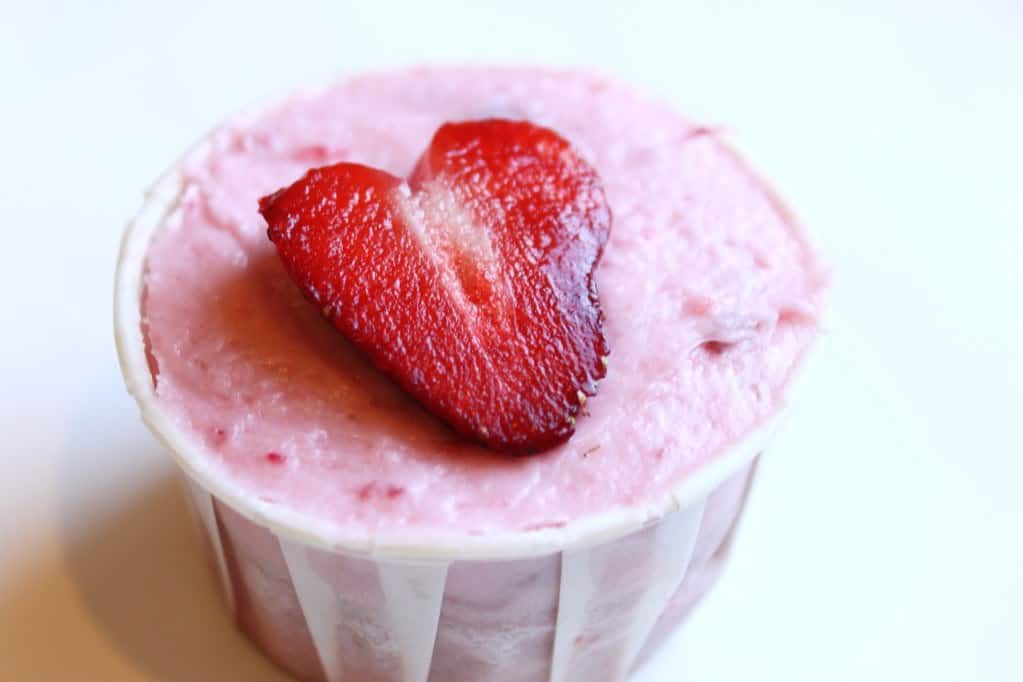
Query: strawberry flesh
x=471 y=284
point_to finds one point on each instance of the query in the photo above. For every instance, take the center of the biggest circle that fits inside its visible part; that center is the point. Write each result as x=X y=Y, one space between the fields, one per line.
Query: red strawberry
x=472 y=284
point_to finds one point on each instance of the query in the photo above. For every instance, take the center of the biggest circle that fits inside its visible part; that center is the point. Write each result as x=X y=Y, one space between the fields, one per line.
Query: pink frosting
x=710 y=292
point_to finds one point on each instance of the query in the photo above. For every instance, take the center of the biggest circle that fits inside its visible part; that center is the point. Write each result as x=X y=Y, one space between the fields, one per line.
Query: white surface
x=883 y=538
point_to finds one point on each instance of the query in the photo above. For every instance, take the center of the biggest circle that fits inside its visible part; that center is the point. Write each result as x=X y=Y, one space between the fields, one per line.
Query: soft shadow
x=133 y=555
x=141 y=576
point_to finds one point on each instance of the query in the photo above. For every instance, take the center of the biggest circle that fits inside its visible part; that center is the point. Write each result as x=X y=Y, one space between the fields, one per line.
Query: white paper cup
x=585 y=615
x=579 y=603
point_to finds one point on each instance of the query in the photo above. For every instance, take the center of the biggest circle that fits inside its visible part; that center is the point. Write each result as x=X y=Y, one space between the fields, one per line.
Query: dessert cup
x=584 y=600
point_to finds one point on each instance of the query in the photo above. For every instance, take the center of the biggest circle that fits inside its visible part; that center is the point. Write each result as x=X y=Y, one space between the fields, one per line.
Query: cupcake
x=487 y=403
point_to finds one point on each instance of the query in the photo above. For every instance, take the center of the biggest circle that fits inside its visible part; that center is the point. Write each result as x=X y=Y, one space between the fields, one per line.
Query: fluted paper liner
x=578 y=615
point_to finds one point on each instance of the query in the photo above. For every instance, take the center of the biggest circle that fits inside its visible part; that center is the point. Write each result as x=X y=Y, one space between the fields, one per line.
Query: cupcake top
x=710 y=294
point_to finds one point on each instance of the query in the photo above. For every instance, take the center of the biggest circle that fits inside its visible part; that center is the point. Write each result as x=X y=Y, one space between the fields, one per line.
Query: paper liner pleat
x=659 y=555
x=320 y=607
x=413 y=594
x=674 y=540
x=202 y=505
x=577 y=589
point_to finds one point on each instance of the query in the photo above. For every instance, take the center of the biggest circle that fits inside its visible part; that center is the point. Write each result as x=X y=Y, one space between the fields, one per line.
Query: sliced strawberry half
x=471 y=285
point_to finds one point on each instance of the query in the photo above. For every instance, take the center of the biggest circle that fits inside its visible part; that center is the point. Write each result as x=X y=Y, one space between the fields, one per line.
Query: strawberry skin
x=471 y=285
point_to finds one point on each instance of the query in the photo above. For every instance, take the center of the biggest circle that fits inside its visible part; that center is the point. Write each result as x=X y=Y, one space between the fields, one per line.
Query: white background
x=884 y=536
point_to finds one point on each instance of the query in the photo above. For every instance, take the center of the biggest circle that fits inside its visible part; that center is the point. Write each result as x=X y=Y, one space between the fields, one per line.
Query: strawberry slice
x=471 y=285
